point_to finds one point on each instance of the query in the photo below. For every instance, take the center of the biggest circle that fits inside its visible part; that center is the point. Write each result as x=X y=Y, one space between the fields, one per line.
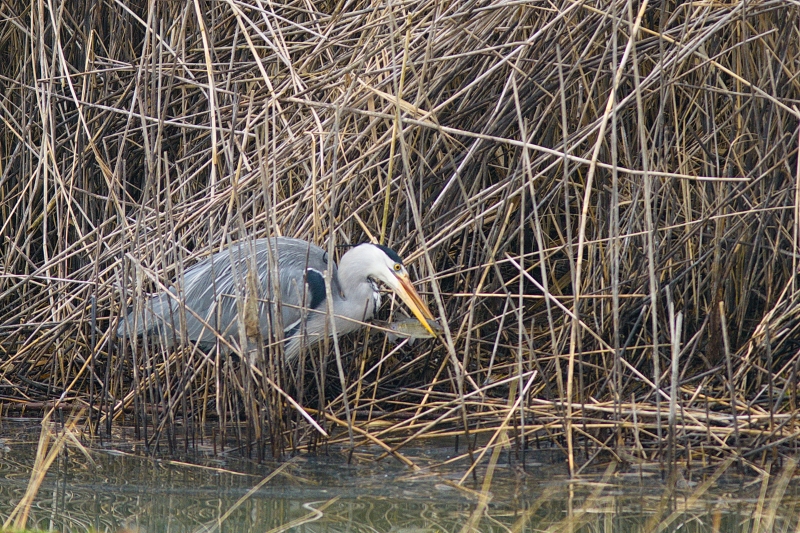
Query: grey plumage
x=216 y=291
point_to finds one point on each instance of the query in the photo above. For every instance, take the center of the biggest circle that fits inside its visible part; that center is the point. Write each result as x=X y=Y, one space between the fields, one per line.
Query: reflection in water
x=115 y=491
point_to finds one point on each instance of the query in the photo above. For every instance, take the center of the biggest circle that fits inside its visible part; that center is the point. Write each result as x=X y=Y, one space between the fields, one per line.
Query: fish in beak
x=401 y=285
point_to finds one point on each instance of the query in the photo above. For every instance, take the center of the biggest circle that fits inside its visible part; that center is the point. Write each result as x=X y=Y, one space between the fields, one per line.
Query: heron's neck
x=360 y=294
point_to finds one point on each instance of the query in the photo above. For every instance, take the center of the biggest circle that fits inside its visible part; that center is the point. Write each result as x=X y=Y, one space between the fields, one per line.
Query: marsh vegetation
x=599 y=199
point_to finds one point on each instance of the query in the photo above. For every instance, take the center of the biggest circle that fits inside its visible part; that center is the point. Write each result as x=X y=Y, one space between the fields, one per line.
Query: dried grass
x=558 y=175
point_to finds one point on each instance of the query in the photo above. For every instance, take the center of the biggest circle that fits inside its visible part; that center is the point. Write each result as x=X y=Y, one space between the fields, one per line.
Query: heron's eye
x=398 y=267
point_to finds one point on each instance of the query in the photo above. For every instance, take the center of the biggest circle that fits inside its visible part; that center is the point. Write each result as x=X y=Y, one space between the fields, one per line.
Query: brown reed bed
x=599 y=198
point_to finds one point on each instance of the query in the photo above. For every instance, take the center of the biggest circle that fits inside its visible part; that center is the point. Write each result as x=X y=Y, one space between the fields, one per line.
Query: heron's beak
x=411 y=298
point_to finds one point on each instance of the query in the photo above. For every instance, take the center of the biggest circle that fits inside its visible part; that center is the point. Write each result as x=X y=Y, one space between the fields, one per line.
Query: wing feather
x=214 y=290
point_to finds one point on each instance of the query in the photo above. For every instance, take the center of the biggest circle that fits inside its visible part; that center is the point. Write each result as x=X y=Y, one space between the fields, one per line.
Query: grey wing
x=203 y=291
x=215 y=289
x=212 y=292
x=302 y=267
x=297 y=264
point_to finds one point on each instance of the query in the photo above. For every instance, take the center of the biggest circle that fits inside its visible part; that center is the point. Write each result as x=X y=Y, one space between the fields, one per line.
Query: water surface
x=114 y=489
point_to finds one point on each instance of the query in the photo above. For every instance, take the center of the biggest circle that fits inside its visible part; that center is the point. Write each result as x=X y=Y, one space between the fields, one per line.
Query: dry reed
x=554 y=174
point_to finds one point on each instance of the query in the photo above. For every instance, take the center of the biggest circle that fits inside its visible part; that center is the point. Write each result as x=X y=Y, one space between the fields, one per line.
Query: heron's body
x=214 y=292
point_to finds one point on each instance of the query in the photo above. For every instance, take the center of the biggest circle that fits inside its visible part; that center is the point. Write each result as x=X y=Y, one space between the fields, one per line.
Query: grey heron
x=207 y=301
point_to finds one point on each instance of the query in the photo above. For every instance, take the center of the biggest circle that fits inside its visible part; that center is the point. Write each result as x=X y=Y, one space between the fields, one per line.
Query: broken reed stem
x=46 y=452
x=675 y=323
x=731 y=386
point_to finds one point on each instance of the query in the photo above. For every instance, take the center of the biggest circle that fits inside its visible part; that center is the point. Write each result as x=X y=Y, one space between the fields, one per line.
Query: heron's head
x=384 y=265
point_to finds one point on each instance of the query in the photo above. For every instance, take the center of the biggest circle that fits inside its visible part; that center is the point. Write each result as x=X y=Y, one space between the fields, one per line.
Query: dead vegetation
x=600 y=198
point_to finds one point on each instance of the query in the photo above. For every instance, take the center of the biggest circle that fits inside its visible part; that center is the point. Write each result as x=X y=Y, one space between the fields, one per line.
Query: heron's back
x=214 y=290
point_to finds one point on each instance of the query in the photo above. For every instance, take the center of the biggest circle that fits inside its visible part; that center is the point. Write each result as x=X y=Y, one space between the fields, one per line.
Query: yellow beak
x=411 y=298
